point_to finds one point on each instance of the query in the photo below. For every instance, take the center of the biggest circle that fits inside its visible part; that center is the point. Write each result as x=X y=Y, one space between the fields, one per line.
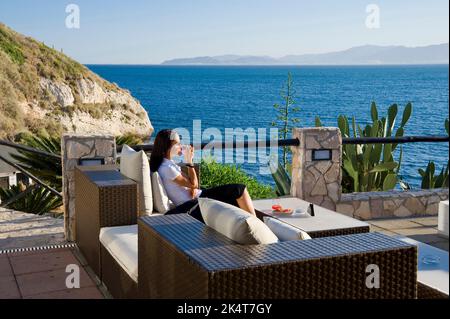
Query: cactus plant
x=429 y=180
x=371 y=167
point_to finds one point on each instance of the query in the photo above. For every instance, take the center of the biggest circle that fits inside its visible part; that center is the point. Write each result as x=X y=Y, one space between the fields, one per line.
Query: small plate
x=431 y=260
x=275 y=212
x=300 y=212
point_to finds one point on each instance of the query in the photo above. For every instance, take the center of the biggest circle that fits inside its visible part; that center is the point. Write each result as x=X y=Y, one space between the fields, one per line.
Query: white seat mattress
x=122 y=243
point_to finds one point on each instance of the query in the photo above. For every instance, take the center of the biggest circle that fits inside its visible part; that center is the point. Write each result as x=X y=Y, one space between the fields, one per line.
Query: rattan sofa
x=180 y=257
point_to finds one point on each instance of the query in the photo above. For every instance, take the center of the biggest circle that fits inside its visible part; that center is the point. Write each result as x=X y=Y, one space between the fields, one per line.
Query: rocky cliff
x=43 y=90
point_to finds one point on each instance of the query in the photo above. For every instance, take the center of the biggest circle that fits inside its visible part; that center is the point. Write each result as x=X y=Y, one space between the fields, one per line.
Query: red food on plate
x=280 y=209
x=277 y=207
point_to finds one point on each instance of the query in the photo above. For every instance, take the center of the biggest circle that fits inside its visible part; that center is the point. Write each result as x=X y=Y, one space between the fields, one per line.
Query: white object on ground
x=443 y=219
x=432 y=265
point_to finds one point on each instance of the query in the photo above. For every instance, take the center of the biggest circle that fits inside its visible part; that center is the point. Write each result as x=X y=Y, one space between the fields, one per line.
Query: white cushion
x=284 y=231
x=161 y=201
x=235 y=223
x=135 y=166
x=122 y=244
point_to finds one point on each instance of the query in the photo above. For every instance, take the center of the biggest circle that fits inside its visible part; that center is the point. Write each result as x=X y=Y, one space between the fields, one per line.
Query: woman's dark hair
x=161 y=147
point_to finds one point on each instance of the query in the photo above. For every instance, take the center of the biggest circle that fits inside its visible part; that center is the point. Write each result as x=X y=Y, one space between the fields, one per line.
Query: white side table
x=432 y=272
x=325 y=223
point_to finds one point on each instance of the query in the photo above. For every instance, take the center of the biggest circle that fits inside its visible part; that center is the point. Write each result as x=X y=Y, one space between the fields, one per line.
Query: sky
x=151 y=31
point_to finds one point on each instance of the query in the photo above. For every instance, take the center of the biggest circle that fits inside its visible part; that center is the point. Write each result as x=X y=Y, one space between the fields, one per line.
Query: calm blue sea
x=243 y=97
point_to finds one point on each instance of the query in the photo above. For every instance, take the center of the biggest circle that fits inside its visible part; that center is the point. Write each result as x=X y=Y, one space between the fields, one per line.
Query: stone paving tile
x=5 y=267
x=9 y=289
x=424 y=234
x=49 y=281
x=35 y=252
x=80 y=293
x=83 y=262
x=374 y=228
x=93 y=276
x=426 y=221
x=104 y=291
x=441 y=245
x=21 y=230
x=415 y=231
x=394 y=223
x=44 y=261
x=387 y=232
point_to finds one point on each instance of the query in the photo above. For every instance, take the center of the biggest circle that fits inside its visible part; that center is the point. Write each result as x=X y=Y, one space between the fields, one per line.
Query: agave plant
x=45 y=168
x=371 y=167
x=429 y=180
x=37 y=200
x=281 y=177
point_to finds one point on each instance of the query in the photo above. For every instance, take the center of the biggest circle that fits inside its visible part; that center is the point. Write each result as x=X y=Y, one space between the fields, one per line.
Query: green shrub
x=130 y=139
x=429 y=178
x=214 y=174
x=10 y=48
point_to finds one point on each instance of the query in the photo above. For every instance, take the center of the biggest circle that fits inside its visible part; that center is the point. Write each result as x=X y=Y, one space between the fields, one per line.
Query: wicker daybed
x=180 y=257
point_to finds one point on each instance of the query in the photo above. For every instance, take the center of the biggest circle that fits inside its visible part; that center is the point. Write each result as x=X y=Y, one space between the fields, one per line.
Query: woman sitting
x=183 y=190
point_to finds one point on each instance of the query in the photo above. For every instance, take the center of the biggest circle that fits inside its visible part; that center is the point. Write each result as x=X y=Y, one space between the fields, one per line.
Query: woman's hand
x=193 y=192
x=189 y=154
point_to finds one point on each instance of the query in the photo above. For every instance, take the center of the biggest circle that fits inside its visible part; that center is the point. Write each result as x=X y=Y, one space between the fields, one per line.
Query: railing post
x=74 y=147
x=314 y=180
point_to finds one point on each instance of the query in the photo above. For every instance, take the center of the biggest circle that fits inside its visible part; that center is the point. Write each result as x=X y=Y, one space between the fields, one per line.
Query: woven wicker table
x=325 y=223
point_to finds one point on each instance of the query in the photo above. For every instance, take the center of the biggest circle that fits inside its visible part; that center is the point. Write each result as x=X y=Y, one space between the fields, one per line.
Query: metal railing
x=296 y=142
x=224 y=145
x=29 y=149
x=227 y=145
x=395 y=140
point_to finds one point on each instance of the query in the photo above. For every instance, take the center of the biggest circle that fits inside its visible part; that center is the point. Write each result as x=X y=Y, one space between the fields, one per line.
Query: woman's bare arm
x=190 y=181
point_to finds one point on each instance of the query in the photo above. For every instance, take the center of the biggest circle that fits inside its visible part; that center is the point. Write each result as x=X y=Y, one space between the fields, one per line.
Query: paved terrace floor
x=423 y=229
x=42 y=273
x=33 y=264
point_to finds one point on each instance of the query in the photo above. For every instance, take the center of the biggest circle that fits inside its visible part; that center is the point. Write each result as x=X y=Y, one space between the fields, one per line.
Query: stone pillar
x=318 y=181
x=74 y=147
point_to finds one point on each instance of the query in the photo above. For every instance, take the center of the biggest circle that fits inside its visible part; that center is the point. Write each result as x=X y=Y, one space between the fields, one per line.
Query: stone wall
x=373 y=205
x=74 y=147
x=318 y=182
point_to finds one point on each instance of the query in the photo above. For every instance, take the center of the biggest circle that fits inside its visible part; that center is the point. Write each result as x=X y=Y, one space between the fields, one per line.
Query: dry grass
x=23 y=61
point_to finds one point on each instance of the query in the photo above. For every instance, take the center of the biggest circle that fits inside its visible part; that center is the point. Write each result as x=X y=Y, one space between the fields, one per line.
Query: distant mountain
x=362 y=55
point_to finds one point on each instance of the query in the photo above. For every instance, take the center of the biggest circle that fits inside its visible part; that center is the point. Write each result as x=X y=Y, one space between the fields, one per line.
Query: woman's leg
x=234 y=194
x=190 y=207
x=245 y=202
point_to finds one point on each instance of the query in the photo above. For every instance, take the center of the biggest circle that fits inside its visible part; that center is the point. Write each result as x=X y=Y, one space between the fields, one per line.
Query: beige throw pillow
x=284 y=231
x=161 y=201
x=235 y=223
x=135 y=166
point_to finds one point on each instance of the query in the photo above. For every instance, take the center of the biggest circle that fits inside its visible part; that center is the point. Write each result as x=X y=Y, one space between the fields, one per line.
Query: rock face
x=43 y=89
x=60 y=91
x=91 y=92
x=125 y=116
